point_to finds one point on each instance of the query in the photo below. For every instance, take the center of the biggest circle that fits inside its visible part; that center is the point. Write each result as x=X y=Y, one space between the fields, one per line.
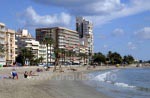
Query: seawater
x=122 y=83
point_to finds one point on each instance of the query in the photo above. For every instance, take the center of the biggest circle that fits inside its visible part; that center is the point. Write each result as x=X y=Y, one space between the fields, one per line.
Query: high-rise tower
x=85 y=29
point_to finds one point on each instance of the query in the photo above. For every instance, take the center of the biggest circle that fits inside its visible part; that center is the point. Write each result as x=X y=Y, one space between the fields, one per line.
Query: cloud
x=143 y=33
x=118 y=32
x=31 y=18
x=129 y=9
x=85 y=7
x=131 y=46
x=100 y=11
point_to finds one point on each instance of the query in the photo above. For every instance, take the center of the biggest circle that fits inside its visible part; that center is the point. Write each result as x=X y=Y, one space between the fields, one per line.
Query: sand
x=47 y=84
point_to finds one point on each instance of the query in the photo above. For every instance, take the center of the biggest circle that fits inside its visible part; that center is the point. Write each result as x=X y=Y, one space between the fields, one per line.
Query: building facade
x=2 y=44
x=85 y=29
x=65 y=39
x=7 y=42
x=43 y=52
x=25 y=40
x=10 y=46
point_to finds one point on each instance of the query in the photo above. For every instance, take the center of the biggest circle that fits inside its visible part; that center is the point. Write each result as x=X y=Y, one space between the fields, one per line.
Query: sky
x=121 y=26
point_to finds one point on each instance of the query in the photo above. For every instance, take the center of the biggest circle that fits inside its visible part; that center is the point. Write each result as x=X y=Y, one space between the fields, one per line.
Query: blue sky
x=119 y=25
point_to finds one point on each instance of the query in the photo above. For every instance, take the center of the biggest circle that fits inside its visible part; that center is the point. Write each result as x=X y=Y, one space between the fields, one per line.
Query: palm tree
x=2 y=50
x=109 y=57
x=25 y=54
x=67 y=54
x=83 y=56
x=62 y=52
x=57 y=58
x=41 y=59
x=48 y=40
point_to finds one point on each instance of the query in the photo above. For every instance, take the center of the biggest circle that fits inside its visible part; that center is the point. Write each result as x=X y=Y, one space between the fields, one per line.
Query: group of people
x=14 y=74
x=28 y=75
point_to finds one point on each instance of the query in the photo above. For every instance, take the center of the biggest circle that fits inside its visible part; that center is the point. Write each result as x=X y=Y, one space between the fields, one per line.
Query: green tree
x=25 y=54
x=62 y=52
x=57 y=53
x=35 y=61
x=2 y=49
x=129 y=59
x=114 y=58
x=109 y=54
x=99 y=58
x=48 y=41
x=19 y=59
x=81 y=55
x=85 y=56
x=41 y=59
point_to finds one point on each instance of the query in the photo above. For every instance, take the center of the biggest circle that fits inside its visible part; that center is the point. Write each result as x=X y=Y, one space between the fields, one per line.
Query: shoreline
x=47 y=85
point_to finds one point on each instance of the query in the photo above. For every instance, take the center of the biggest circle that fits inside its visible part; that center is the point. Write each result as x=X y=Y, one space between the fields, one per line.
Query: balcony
x=2 y=35
x=2 y=42
x=2 y=29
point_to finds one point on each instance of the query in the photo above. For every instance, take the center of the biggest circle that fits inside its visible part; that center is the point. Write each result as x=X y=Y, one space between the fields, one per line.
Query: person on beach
x=39 y=70
x=31 y=73
x=88 y=67
x=25 y=74
x=14 y=74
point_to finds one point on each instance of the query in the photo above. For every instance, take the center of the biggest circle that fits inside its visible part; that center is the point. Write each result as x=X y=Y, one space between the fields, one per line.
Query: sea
x=122 y=83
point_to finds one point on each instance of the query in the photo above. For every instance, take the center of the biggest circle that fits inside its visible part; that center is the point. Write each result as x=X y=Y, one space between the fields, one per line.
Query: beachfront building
x=85 y=29
x=43 y=52
x=10 y=46
x=65 y=39
x=25 y=40
x=2 y=44
x=7 y=42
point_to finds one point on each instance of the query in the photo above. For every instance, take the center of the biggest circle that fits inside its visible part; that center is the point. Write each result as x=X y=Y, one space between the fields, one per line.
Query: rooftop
x=2 y=24
x=58 y=28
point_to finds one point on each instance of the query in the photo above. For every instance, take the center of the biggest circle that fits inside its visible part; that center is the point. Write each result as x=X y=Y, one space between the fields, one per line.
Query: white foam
x=115 y=70
x=124 y=85
x=102 y=77
x=108 y=81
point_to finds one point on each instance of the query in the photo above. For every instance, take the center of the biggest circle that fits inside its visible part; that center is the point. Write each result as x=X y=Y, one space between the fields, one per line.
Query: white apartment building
x=25 y=40
x=10 y=46
x=2 y=44
x=7 y=42
x=64 y=38
x=43 y=52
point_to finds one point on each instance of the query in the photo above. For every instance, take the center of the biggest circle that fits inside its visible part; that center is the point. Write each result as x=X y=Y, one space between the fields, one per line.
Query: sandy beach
x=48 y=84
